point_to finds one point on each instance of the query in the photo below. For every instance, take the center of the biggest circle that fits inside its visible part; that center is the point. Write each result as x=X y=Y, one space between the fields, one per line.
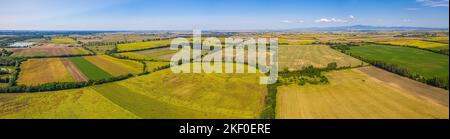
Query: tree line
x=60 y=85
x=441 y=82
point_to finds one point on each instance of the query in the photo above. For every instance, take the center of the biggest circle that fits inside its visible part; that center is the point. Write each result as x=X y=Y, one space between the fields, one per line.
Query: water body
x=21 y=44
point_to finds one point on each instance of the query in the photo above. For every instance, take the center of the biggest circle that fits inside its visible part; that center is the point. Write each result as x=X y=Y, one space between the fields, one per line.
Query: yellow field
x=63 y=40
x=295 y=42
x=354 y=94
x=151 y=66
x=115 y=66
x=419 y=43
x=43 y=70
x=295 y=57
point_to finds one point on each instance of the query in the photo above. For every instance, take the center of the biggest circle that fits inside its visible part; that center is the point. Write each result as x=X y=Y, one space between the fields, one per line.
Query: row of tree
x=441 y=82
x=60 y=85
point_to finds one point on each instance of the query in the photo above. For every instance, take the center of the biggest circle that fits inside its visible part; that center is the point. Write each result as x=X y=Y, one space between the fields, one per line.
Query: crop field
x=420 y=44
x=359 y=93
x=56 y=51
x=142 y=45
x=162 y=94
x=424 y=63
x=90 y=70
x=43 y=70
x=441 y=39
x=63 y=40
x=115 y=66
x=161 y=54
x=295 y=57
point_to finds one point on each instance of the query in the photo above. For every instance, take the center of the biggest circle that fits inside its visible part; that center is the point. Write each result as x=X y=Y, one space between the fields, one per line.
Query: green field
x=90 y=70
x=424 y=63
x=142 y=45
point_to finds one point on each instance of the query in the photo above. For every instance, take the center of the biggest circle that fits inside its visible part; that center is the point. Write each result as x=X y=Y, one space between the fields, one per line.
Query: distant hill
x=366 y=28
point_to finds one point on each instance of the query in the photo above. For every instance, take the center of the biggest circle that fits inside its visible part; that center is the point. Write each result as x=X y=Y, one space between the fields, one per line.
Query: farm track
x=409 y=86
x=77 y=75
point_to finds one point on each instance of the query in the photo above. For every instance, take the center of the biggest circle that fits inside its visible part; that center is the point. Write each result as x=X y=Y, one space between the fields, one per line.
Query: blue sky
x=217 y=14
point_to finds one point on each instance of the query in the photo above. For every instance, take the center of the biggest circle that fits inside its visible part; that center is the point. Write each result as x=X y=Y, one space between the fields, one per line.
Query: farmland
x=424 y=63
x=356 y=94
x=43 y=70
x=90 y=70
x=68 y=104
x=294 y=57
x=419 y=44
x=115 y=66
x=321 y=76
x=142 y=45
x=161 y=54
x=158 y=95
x=56 y=51
x=63 y=40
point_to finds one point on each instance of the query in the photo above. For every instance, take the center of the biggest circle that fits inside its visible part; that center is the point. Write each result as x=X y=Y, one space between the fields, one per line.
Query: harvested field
x=43 y=70
x=294 y=57
x=355 y=94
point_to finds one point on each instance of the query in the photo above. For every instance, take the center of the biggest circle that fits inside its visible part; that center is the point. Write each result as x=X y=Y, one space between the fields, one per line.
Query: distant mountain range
x=366 y=28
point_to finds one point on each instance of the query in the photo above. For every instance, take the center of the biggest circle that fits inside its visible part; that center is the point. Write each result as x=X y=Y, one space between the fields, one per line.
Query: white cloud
x=328 y=20
x=434 y=3
x=351 y=17
x=286 y=21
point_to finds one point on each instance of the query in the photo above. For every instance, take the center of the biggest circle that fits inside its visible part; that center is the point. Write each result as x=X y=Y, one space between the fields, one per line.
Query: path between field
x=412 y=87
x=77 y=75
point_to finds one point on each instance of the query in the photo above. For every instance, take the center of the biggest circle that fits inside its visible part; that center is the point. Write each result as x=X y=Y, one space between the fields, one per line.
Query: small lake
x=21 y=44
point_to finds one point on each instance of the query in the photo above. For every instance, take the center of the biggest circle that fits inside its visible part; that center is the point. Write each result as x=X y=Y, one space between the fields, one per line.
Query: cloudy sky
x=217 y=14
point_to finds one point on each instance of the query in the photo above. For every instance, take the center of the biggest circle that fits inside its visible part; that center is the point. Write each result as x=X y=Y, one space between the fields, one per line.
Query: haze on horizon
x=218 y=14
